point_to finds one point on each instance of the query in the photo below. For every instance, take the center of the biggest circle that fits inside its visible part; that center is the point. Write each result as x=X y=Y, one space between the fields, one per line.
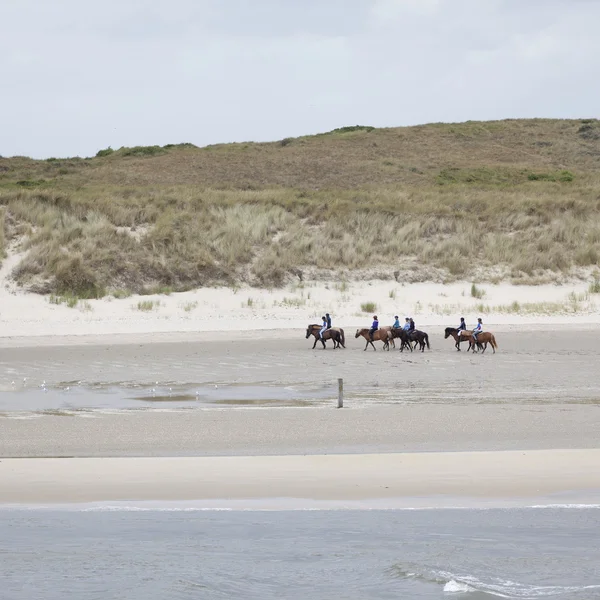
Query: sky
x=78 y=76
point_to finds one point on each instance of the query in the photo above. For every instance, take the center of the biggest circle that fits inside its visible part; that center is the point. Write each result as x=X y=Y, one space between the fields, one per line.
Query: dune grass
x=2 y=234
x=368 y=307
x=516 y=200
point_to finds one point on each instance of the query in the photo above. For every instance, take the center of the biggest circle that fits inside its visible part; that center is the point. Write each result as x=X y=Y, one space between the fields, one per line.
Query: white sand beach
x=295 y=306
x=488 y=475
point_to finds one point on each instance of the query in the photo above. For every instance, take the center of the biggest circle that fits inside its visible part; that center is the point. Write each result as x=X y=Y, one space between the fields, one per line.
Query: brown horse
x=381 y=335
x=480 y=343
x=483 y=339
x=465 y=336
x=335 y=333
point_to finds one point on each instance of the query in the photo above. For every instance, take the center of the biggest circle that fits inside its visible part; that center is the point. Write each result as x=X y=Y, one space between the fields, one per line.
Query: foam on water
x=502 y=588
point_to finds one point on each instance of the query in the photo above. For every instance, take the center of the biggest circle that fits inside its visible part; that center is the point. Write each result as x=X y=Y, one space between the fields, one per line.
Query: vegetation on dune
x=517 y=199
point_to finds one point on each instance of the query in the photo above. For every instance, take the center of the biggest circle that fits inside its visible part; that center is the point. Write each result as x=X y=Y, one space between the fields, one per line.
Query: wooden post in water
x=340 y=393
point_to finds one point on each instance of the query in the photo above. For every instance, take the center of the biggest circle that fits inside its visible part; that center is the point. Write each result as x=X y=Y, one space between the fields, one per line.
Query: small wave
x=501 y=588
x=455 y=587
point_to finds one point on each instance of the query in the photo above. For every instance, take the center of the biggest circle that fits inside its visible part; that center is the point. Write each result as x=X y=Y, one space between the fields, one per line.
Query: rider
x=396 y=324
x=323 y=327
x=462 y=327
x=478 y=329
x=374 y=327
x=406 y=326
x=411 y=327
x=328 y=319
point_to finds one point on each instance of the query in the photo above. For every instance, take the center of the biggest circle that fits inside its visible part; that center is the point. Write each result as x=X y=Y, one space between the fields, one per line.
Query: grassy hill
x=516 y=199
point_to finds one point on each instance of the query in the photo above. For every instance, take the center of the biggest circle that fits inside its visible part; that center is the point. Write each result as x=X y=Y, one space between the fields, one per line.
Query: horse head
x=357 y=333
x=309 y=331
x=449 y=332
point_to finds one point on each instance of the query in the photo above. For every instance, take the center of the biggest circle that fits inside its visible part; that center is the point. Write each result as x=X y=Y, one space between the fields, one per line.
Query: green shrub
x=594 y=287
x=368 y=307
x=106 y=152
x=143 y=151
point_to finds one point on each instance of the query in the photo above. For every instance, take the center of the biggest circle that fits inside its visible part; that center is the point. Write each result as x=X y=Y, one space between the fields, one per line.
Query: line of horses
x=409 y=341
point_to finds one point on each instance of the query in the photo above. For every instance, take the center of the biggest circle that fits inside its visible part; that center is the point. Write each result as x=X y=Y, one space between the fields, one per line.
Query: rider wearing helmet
x=374 y=327
x=478 y=329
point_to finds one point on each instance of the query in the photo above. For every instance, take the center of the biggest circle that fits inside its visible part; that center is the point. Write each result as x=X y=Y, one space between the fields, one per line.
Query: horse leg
x=316 y=340
x=484 y=347
x=323 y=342
x=367 y=345
x=372 y=344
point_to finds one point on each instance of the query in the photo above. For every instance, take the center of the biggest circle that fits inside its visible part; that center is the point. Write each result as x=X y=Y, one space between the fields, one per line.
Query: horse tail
x=493 y=341
x=427 y=341
x=343 y=337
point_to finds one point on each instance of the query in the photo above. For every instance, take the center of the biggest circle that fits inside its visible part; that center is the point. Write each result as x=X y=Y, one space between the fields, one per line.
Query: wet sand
x=375 y=429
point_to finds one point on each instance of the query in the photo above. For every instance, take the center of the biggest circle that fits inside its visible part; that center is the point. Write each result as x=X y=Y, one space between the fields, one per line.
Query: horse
x=381 y=335
x=483 y=339
x=335 y=333
x=421 y=338
x=465 y=336
x=403 y=336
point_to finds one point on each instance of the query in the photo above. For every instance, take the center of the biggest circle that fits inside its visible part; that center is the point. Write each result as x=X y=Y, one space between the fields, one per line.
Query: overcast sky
x=79 y=75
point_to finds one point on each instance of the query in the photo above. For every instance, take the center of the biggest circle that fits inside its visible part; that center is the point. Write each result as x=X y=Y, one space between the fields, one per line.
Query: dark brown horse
x=465 y=336
x=398 y=333
x=421 y=338
x=335 y=333
x=381 y=335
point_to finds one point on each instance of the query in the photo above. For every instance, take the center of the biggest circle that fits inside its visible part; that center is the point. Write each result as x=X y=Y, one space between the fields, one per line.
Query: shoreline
x=528 y=476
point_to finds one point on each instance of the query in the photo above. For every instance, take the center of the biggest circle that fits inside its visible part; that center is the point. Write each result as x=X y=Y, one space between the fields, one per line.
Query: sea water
x=139 y=552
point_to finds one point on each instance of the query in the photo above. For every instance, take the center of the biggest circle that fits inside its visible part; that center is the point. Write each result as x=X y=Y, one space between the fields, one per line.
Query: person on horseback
x=396 y=324
x=323 y=328
x=328 y=318
x=411 y=327
x=406 y=326
x=478 y=329
x=374 y=327
x=462 y=327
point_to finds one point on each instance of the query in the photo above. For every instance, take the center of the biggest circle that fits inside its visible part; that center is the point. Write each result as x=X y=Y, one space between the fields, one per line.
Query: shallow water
x=73 y=397
x=428 y=554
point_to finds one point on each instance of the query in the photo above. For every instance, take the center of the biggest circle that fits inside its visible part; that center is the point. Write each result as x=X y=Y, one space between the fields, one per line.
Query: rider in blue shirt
x=374 y=327
x=323 y=327
x=396 y=324
x=406 y=326
x=478 y=329
x=462 y=327
x=328 y=319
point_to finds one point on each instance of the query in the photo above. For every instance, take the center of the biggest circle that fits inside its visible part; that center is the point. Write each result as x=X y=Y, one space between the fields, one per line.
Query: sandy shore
x=495 y=475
